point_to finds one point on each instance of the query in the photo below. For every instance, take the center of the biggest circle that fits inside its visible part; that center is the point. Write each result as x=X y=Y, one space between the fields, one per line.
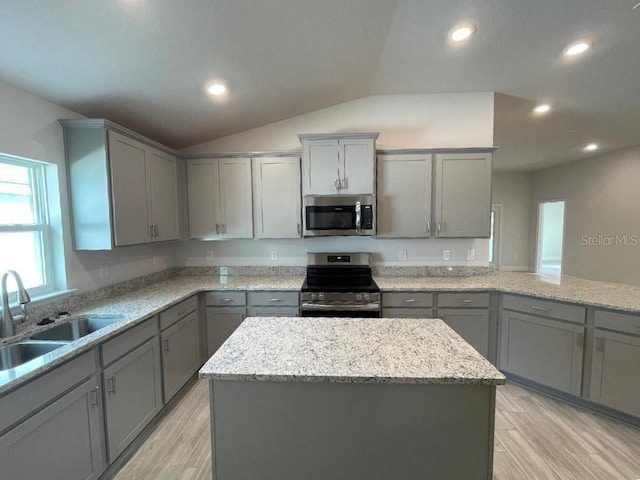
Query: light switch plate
x=446 y=254
x=104 y=271
x=209 y=255
x=274 y=254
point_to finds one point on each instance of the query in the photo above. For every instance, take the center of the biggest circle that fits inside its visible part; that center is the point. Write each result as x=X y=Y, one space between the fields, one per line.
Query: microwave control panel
x=367 y=217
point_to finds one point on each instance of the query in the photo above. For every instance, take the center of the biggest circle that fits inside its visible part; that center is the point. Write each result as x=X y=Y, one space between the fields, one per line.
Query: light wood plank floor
x=536 y=438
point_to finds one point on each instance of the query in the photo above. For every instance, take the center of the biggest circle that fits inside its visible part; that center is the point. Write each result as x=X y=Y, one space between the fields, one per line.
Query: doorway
x=550 y=237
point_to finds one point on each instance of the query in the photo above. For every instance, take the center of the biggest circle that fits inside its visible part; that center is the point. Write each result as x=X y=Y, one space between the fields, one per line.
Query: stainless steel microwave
x=326 y=215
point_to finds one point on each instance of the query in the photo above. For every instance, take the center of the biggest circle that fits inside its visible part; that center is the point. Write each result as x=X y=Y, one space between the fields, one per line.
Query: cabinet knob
x=166 y=344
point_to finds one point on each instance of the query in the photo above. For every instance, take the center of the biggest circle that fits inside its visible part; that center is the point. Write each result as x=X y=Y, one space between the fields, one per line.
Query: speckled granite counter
x=349 y=350
x=566 y=288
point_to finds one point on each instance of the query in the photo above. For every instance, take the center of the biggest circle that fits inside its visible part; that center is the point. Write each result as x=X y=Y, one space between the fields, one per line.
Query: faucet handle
x=23 y=296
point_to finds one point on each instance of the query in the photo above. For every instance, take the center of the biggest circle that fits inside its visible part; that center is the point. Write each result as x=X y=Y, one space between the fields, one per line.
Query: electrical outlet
x=446 y=254
x=402 y=255
x=104 y=271
x=209 y=256
x=471 y=254
x=156 y=260
x=224 y=271
x=274 y=254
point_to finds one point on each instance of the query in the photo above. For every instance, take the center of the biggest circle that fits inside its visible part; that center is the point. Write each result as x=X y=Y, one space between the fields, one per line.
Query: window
x=494 y=240
x=25 y=233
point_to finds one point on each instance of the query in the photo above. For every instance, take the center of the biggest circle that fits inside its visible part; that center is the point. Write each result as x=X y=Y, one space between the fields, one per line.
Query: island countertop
x=349 y=350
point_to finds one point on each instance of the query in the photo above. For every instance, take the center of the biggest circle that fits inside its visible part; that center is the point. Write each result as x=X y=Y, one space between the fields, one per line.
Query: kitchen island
x=345 y=398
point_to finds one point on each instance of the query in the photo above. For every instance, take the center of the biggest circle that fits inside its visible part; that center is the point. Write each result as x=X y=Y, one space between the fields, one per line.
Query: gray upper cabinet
x=338 y=164
x=462 y=203
x=220 y=198
x=276 y=197
x=123 y=190
x=404 y=196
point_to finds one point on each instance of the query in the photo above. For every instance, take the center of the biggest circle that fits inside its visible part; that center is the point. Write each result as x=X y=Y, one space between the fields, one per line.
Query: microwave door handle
x=358 y=218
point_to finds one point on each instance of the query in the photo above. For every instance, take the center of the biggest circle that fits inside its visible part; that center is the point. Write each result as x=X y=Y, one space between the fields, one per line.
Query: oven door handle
x=358 y=218
x=366 y=307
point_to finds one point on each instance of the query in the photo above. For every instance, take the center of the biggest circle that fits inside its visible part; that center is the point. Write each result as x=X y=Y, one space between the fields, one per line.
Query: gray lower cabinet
x=62 y=441
x=225 y=312
x=546 y=351
x=180 y=353
x=407 y=305
x=133 y=396
x=273 y=304
x=471 y=324
x=615 y=376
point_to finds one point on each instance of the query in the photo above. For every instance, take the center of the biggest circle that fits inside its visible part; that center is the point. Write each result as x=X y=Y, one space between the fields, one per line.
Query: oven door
x=370 y=310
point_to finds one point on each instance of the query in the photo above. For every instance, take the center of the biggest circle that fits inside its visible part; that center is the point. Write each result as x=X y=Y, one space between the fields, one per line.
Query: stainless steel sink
x=76 y=328
x=12 y=356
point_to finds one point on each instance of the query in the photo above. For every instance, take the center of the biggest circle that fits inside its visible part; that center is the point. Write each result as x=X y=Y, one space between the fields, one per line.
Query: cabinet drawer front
x=621 y=322
x=127 y=341
x=273 y=311
x=545 y=308
x=175 y=313
x=407 y=299
x=226 y=298
x=273 y=298
x=30 y=397
x=396 y=312
x=463 y=300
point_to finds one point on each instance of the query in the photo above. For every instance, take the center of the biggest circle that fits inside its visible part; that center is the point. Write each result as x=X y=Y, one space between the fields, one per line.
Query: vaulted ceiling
x=144 y=64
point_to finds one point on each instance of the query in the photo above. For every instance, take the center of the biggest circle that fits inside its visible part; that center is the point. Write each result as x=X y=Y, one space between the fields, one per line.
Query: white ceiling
x=143 y=63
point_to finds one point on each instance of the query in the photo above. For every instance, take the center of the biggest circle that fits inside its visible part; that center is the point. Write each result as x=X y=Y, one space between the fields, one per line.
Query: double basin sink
x=46 y=341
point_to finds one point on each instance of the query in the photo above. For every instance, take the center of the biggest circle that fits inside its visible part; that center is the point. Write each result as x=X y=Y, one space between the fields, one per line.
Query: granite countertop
x=349 y=350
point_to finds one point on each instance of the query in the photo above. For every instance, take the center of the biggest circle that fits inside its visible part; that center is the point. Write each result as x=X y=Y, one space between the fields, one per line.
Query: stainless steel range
x=340 y=285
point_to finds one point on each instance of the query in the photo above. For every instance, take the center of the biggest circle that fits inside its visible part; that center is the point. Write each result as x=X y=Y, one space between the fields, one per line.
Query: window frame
x=41 y=226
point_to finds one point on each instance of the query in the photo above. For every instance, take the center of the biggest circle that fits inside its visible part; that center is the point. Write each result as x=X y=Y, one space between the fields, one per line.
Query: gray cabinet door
x=545 y=351
x=615 y=372
x=320 y=174
x=221 y=323
x=180 y=354
x=463 y=195
x=470 y=324
x=61 y=442
x=132 y=392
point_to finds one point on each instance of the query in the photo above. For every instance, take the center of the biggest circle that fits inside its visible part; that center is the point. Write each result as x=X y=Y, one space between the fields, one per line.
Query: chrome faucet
x=6 y=326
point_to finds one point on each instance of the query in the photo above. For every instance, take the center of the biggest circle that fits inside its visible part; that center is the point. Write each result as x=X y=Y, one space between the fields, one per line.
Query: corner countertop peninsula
x=350 y=398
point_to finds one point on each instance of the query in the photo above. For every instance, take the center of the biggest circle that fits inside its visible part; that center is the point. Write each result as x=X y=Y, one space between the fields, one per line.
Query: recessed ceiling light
x=462 y=32
x=543 y=108
x=591 y=147
x=577 y=48
x=216 y=89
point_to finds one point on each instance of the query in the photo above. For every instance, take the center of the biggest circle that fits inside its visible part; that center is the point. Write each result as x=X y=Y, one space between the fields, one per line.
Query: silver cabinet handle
x=336 y=183
x=111 y=384
x=439 y=227
x=464 y=300
x=275 y=299
x=600 y=344
x=344 y=183
x=151 y=231
x=580 y=340
x=94 y=396
x=409 y=300
x=358 y=217
x=217 y=229
x=226 y=300
x=299 y=229
x=540 y=309
x=166 y=344
x=428 y=228
x=155 y=230
x=223 y=228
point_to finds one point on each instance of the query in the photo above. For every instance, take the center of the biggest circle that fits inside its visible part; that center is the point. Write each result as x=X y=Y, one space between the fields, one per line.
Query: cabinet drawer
x=396 y=312
x=226 y=298
x=273 y=298
x=273 y=311
x=175 y=313
x=545 y=308
x=127 y=341
x=476 y=300
x=621 y=322
x=30 y=397
x=407 y=299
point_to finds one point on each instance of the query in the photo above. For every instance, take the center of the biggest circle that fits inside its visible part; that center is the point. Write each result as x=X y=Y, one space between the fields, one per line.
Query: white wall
x=403 y=121
x=512 y=190
x=29 y=128
x=602 y=207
